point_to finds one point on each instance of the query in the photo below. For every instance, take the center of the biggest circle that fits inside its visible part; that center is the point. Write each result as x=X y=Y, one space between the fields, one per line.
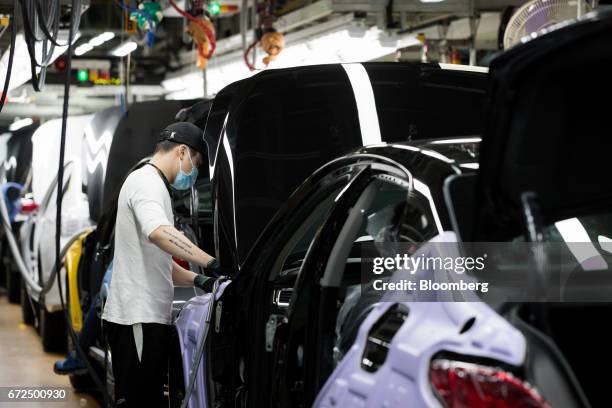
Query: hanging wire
x=191 y=17
x=9 y=67
x=246 y=55
x=42 y=25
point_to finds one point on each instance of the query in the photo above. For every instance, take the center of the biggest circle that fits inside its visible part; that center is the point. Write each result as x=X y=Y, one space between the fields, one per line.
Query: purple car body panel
x=431 y=327
x=191 y=326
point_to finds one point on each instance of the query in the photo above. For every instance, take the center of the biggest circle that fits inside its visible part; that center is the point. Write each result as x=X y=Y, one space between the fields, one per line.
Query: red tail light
x=28 y=205
x=467 y=385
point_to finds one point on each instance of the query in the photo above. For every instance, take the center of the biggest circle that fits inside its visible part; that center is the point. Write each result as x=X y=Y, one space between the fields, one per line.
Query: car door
x=240 y=345
x=327 y=303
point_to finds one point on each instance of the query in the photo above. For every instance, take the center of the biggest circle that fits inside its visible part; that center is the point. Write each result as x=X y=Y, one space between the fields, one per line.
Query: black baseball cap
x=185 y=133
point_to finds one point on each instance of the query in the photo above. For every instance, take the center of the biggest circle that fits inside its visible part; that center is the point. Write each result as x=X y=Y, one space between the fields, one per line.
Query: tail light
x=467 y=385
x=181 y=262
x=28 y=206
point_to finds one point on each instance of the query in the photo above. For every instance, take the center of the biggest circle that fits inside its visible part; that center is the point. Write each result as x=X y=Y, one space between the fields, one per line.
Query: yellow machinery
x=71 y=263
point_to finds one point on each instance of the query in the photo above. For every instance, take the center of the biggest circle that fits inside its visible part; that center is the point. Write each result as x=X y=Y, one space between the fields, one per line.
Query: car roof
x=281 y=125
x=457 y=155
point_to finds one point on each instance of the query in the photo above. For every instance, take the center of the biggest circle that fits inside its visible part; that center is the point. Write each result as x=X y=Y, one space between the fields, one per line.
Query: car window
x=595 y=228
x=300 y=241
x=394 y=215
x=586 y=238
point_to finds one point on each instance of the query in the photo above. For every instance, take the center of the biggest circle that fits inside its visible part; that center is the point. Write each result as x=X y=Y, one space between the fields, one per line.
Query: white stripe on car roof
x=366 y=104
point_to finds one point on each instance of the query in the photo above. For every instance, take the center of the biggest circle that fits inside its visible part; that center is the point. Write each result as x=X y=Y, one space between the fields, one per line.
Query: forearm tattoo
x=179 y=242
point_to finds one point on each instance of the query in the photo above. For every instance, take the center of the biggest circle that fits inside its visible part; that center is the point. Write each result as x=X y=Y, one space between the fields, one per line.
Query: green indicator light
x=82 y=75
x=214 y=8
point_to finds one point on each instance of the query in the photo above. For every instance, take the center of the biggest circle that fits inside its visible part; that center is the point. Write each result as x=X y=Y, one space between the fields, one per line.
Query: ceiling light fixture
x=124 y=49
x=101 y=38
x=82 y=49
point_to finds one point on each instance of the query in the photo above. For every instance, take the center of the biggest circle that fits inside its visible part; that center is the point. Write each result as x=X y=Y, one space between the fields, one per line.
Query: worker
x=137 y=314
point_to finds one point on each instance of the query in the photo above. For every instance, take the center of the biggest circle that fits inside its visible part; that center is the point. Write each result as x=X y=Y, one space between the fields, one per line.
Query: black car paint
x=544 y=127
x=494 y=202
x=242 y=334
x=266 y=134
x=99 y=134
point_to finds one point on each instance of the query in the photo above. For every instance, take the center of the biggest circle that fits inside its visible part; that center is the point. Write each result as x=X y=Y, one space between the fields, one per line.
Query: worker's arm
x=182 y=277
x=185 y=278
x=147 y=204
x=172 y=241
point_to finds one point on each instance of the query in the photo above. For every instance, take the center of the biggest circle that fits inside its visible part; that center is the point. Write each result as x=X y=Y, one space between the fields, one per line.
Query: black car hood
x=268 y=133
x=98 y=138
x=546 y=125
x=135 y=138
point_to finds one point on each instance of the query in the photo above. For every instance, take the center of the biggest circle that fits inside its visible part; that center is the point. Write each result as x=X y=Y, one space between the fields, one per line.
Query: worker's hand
x=213 y=268
x=204 y=282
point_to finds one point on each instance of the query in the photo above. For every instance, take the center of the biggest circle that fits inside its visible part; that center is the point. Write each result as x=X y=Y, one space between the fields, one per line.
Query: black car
x=279 y=334
x=265 y=136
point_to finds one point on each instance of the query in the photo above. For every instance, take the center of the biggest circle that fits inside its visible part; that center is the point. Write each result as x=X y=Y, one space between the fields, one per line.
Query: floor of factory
x=30 y=366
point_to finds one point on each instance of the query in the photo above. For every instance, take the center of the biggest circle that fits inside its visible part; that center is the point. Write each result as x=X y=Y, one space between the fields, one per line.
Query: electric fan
x=537 y=15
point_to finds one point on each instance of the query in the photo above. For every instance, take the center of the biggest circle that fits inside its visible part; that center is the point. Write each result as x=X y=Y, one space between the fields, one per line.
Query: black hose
x=43 y=24
x=58 y=220
x=48 y=21
x=9 y=66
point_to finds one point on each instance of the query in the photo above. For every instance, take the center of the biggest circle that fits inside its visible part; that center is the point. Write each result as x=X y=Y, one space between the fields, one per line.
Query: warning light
x=93 y=75
x=228 y=8
x=214 y=8
x=60 y=63
x=82 y=75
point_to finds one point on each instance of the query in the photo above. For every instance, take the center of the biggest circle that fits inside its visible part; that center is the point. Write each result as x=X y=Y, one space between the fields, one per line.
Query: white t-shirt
x=141 y=290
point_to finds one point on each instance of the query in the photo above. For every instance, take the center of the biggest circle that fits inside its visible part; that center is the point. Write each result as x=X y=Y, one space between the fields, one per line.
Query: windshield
x=588 y=238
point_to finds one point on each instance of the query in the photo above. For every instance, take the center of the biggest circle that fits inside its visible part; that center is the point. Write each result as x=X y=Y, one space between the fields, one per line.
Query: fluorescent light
x=96 y=41
x=21 y=62
x=19 y=123
x=431 y=1
x=124 y=49
x=107 y=35
x=101 y=38
x=82 y=49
